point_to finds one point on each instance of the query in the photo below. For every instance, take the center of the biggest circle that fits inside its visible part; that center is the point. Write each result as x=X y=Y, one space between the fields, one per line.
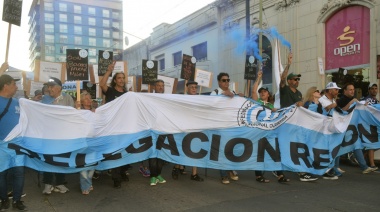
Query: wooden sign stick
x=8 y=41
x=200 y=90
x=78 y=93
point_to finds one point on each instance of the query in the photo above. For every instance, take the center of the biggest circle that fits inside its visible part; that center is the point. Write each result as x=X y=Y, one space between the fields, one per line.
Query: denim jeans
x=360 y=158
x=18 y=182
x=85 y=178
x=59 y=178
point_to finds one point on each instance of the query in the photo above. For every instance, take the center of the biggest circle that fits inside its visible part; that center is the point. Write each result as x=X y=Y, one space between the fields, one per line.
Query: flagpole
x=260 y=33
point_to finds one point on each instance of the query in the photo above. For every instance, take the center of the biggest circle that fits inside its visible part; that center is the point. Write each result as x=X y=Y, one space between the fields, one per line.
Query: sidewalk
x=352 y=192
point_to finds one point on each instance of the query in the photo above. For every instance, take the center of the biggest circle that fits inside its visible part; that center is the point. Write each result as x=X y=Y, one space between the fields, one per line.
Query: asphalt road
x=352 y=192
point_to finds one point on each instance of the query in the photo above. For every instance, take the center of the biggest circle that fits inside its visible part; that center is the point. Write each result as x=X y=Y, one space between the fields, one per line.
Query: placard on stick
x=77 y=64
x=149 y=71
x=188 y=67
x=250 y=68
x=12 y=11
x=104 y=60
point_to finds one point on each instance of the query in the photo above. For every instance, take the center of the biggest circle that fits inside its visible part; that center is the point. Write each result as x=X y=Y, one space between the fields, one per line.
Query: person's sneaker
x=352 y=159
x=48 y=189
x=233 y=176
x=10 y=195
x=374 y=168
x=161 y=179
x=19 y=205
x=196 y=178
x=328 y=176
x=4 y=204
x=275 y=173
x=153 y=181
x=368 y=170
x=306 y=177
x=225 y=180
x=61 y=189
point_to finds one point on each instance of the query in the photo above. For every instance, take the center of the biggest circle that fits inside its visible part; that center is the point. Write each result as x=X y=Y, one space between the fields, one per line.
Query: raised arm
x=286 y=70
x=256 y=85
x=103 y=82
x=3 y=68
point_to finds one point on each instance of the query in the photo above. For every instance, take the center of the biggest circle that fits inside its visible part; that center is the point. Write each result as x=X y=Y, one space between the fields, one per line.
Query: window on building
x=106 y=43
x=161 y=62
x=49 y=49
x=49 y=17
x=116 y=24
x=62 y=49
x=62 y=17
x=177 y=58
x=78 y=30
x=116 y=35
x=92 y=52
x=63 y=28
x=49 y=38
x=91 y=11
x=78 y=40
x=91 y=21
x=49 y=28
x=106 y=23
x=92 y=41
x=63 y=7
x=49 y=58
x=61 y=58
x=200 y=51
x=77 y=9
x=77 y=20
x=91 y=31
x=106 y=33
x=115 y=15
x=92 y=60
x=106 y=13
x=63 y=39
x=49 y=6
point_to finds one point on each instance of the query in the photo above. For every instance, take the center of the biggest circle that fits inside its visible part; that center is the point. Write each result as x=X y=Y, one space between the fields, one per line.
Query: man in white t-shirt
x=328 y=100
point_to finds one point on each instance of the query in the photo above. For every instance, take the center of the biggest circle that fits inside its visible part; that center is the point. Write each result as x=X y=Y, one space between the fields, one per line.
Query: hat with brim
x=292 y=75
x=332 y=85
x=6 y=79
x=371 y=85
x=263 y=89
x=53 y=81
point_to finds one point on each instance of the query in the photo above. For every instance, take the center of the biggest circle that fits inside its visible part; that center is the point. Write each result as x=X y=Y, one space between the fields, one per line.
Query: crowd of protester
x=321 y=102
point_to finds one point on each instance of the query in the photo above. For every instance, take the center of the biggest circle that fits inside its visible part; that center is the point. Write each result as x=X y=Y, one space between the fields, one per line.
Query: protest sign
x=149 y=71
x=203 y=78
x=35 y=86
x=131 y=86
x=250 y=68
x=188 y=67
x=104 y=60
x=12 y=11
x=170 y=85
x=48 y=69
x=77 y=64
x=320 y=66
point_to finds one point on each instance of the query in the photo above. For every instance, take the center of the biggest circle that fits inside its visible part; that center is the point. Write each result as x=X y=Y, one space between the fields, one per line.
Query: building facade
x=344 y=34
x=57 y=25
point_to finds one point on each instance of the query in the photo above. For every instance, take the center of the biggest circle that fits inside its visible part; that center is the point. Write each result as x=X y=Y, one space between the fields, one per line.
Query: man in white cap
x=328 y=100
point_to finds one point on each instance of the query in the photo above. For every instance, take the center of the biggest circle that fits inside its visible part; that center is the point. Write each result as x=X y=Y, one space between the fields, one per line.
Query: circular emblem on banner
x=149 y=64
x=251 y=59
x=89 y=85
x=106 y=55
x=193 y=60
x=83 y=53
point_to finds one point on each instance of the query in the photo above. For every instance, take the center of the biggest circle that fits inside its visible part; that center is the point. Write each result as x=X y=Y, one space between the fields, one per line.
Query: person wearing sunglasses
x=290 y=95
x=224 y=84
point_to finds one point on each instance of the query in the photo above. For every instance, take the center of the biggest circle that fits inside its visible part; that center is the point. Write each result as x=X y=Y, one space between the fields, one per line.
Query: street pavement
x=352 y=192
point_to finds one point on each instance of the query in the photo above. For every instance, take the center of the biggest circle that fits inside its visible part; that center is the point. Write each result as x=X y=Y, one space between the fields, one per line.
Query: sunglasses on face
x=225 y=80
x=316 y=91
x=296 y=79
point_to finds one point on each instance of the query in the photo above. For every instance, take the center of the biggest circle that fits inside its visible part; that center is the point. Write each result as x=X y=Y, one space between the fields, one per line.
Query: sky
x=140 y=17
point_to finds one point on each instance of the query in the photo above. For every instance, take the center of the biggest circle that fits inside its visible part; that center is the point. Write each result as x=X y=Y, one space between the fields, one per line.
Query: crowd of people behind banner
x=323 y=102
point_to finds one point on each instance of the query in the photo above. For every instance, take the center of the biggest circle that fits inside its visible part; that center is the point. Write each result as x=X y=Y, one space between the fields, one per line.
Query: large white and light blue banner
x=204 y=131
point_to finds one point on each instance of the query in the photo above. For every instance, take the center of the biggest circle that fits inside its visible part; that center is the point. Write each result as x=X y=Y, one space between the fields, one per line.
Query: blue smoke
x=238 y=35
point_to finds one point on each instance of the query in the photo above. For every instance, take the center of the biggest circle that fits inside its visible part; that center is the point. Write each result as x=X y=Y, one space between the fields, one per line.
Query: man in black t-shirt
x=116 y=89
